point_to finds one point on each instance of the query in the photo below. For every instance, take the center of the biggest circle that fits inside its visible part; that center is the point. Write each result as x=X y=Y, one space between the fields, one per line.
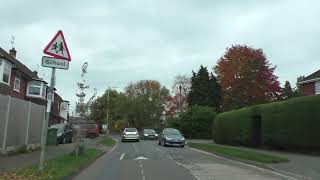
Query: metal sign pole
x=46 y=120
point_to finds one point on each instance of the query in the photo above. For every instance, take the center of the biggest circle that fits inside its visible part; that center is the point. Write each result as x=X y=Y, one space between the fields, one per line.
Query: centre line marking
x=121 y=157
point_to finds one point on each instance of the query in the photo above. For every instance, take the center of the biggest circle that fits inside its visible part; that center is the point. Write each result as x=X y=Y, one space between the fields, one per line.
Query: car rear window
x=131 y=130
x=149 y=131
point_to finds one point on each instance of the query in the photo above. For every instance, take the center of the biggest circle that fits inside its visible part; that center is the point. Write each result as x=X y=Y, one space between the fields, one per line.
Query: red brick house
x=310 y=85
x=17 y=80
x=59 y=110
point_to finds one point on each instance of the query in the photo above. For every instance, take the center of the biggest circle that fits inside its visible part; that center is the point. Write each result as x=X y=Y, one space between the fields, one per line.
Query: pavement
x=146 y=160
x=27 y=159
x=302 y=165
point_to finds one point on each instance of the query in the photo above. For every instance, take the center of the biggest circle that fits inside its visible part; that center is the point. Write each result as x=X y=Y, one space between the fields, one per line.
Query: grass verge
x=55 y=169
x=238 y=153
x=107 y=141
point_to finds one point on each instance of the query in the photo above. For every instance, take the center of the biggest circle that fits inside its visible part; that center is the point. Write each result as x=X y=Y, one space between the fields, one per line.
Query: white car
x=130 y=134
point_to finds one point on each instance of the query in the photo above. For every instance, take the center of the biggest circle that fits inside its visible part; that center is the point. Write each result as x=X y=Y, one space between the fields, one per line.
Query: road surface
x=146 y=160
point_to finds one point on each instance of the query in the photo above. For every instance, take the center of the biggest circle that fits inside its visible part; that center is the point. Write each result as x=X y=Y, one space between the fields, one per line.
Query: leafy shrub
x=197 y=121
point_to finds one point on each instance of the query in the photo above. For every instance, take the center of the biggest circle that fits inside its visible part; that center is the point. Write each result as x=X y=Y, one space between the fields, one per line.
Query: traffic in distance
x=166 y=137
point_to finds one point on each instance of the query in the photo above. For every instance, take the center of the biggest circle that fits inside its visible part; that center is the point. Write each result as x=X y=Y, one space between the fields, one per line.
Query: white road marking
x=142 y=172
x=248 y=165
x=114 y=147
x=170 y=157
x=121 y=157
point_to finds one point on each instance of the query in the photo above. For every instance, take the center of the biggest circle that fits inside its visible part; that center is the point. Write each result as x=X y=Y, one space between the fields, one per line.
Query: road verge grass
x=57 y=168
x=238 y=153
x=107 y=141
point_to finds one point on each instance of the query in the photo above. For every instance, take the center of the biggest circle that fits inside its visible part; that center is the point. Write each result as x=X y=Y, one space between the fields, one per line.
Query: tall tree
x=199 y=91
x=180 y=89
x=287 y=92
x=215 y=93
x=205 y=90
x=246 y=77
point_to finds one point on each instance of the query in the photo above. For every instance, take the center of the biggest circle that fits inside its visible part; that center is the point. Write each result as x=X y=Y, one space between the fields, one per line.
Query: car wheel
x=64 y=141
x=159 y=143
x=182 y=146
x=138 y=140
x=70 y=141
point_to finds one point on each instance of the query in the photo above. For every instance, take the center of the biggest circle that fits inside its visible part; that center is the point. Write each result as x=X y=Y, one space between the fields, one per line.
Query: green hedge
x=234 y=127
x=294 y=123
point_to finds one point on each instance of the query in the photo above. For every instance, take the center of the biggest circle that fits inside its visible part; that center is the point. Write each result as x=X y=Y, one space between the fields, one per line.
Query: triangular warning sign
x=58 y=47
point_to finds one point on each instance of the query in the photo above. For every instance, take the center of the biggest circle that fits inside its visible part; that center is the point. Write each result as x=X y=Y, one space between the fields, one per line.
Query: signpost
x=61 y=57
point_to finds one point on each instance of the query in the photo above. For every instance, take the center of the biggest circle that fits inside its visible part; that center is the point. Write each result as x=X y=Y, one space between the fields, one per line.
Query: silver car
x=130 y=134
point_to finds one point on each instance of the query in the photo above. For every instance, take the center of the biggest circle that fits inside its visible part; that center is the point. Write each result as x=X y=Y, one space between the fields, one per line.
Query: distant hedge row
x=294 y=123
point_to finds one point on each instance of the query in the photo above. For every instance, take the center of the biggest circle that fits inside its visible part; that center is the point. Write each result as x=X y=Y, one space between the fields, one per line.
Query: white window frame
x=42 y=84
x=64 y=106
x=2 y=67
x=317 y=87
x=15 y=84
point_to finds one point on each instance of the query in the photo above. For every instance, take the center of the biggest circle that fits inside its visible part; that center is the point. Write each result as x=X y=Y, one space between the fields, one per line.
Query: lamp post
x=180 y=106
x=180 y=100
x=108 y=97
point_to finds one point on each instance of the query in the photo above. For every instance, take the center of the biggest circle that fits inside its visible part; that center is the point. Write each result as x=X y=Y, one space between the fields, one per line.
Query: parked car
x=64 y=133
x=171 y=137
x=93 y=131
x=90 y=130
x=149 y=134
x=130 y=134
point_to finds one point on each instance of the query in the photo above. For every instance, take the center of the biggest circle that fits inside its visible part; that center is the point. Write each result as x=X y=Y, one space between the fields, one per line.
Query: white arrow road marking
x=140 y=158
x=121 y=157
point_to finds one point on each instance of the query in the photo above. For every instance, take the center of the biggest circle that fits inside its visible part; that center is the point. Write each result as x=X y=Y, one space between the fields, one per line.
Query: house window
x=317 y=87
x=36 y=89
x=64 y=106
x=16 y=86
x=5 y=71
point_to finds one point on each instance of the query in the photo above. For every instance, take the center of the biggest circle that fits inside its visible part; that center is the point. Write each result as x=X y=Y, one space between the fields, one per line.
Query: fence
x=20 y=123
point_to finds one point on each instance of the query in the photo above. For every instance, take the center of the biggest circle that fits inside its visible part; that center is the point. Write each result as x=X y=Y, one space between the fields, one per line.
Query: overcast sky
x=124 y=41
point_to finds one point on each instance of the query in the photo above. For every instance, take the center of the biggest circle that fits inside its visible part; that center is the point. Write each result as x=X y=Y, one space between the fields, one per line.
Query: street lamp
x=108 y=94
x=180 y=87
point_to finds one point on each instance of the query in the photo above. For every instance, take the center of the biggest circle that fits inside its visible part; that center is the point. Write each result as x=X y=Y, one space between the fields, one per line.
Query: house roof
x=18 y=65
x=311 y=78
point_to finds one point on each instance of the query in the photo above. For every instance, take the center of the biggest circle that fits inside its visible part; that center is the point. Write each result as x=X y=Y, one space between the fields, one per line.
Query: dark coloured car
x=64 y=133
x=149 y=134
x=171 y=137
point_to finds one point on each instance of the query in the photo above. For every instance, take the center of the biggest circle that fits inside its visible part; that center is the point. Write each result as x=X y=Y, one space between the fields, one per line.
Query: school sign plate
x=54 y=63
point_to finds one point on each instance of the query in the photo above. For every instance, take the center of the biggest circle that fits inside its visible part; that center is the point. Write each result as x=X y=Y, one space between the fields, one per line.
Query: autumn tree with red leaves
x=246 y=77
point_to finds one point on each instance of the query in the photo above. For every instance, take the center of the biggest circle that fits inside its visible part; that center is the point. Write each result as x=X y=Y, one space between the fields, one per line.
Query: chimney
x=13 y=52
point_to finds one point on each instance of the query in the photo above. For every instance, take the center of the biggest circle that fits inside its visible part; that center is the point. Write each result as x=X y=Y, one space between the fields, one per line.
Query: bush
x=294 y=123
x=234 y=127
x=197 y=121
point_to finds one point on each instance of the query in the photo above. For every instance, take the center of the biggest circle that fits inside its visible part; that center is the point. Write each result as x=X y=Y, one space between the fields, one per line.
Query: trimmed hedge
x=294 y=123
x=234 y=127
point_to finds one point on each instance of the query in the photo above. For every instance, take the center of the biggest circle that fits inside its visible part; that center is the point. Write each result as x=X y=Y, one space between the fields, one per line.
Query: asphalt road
x=146 y=160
